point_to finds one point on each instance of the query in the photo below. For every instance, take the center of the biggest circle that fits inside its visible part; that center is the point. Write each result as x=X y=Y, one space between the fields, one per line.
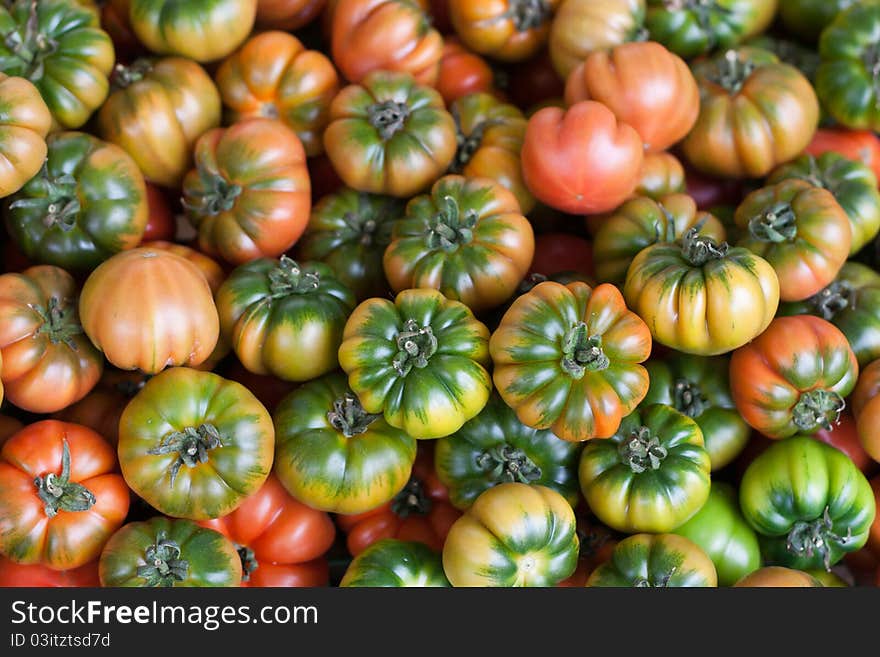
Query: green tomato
x=655 y=560
x=394 y=563
x=806 y=19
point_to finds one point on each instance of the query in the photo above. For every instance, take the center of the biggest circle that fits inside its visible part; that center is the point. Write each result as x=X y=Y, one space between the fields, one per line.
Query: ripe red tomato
x=557 y=252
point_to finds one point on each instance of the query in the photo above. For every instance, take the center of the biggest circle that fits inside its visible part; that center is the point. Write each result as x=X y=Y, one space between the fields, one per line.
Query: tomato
x=861 y=145
x=275 y=536
x=462 y=72
x=388 y=35
x=420 y=512
x=698 y=387
x=87 y=203
x=273 y=312
x=755 y=114
x=8 y=426
x=395 y=563
x=48 y=363
x=514 y=534
x=495 y=447
x=645 y=85
x=274 y=76
x=558 y=252
x=390 y=135
x=850 y=302
x=710 y=191
x=161 y=223
x=36 y=575
x=60 y=495
x=844 y=436
x=61 y=48
x=662 y=173
x=24 y=123
x=531 y=84
x=641 y=222
x=173 y=321
x=467 y=238
x=333 y=455
x=249 y=195
x=287 y=14
x=801 y=230
x=793 y=378
x=349 y=231
x=581 y=27
x=806 y=19
x=567 y=359
x=323 y=177
x=213 y=273
x=581 y=160
x=778 y=577
x=651 y=476
x=866 y=409
x=693 y=28
x=203 y=30
x=724 y=535
x=158 y=110
x=490 y=138
x=701 y=297
x=809 y=504
x=656 y=560
x=846 y=79
x=874 y=533
x=167 y=552
x=421 y=360
x=114 y=20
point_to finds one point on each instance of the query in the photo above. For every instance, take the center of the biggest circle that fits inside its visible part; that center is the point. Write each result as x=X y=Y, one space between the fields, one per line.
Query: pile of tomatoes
x=439 y=293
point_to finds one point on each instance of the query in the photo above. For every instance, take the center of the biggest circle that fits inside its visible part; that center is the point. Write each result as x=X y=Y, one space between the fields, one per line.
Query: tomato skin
x=709 y=191
x=462 y=72
x=801 y=230
x=809 y=504
x=180 y=311
x=114 y=20
x=357 y=131
x=71 y=537
x=211 y=559
x=806 y=19
x=514 y=534
x=861 y=145
x=274 y=76
x=287 y=15
x=532 y=84
x=278 y=535
x=395 y=563
x=793 y=377
x=581 y=160
x=558 y=252
x=101 y=409
x=467 y=238
x=777 y=577
x=388 y=35
x=8 y=427
x=844 y=436
x=160 y=109
x=494 y=29
x=662 y=174
x=739 y=132
x=161 y=224
x=213 y=272
x=71 y=76
x=721 y=531
x=48 y=363
x=645 y=85
x=202 y=30
x=36 y=575
x=25 y=121
x=332 y=455
x=656 y=560
x=170 y=403
x=874 y=533
x=866 y=409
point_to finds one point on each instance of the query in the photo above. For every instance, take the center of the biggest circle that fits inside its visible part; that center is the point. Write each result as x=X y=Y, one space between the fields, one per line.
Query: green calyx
x=217 y=195
x=388 y=117
x=776 y=224
x=699 y=249
x=528 y=14
x=449 y=228
x=249 y=561
x=28 y=48
x=808 y=538
x=662 y=583
x=415 y=346
x=507 y=463
x=124 y=76
x=191 y=446
x=468 y=145
x=163 y=565
x=835 y=298
x=349 y=417
x=642 y=451
x=58 y=493
x=817 y=409
x=58 y=200
x=412 y=500
x=731 y=71
x=582 y=352
x=60 y=323
x=687 y=397
x=288 y=278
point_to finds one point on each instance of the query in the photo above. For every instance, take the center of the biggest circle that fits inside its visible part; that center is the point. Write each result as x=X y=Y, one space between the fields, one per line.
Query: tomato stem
x=582 y=352
x=731 y=71
x=642 y=451
x=449 y=228
x=215 y=196
x=288 y=278
x=56 y=198
x=415 y=347
x=163 y=565
x=778 y=223
x=528 y=14
x=58 y=493
x=507 y=463
x=807 y=538
x=412 y=500
x=817 y=409
x=468 y=144
x=830 y=301
x=191 y=446
x=699 y=249
x=29 y=47
x=662 y=582
x=688 y=398
x=124 y=76
x=388 y=117
x=249 y=561
x=60 y=322
x=349 y=416
x=366 y=225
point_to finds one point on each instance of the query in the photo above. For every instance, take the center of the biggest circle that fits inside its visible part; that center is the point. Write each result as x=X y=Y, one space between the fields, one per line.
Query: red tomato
x=708 y=191
x=557 y=252
x=861 y=145
x=161 y=224
x=533 y=82
x=21 y=575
